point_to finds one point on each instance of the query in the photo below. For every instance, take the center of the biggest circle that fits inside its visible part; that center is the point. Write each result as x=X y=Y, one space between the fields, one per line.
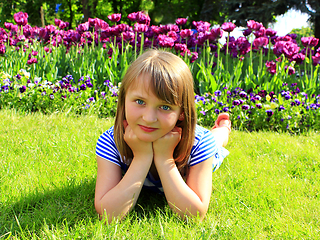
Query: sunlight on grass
x=268 y=187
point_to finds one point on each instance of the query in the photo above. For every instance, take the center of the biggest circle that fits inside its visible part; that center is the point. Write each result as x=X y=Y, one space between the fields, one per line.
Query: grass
x=267 y=188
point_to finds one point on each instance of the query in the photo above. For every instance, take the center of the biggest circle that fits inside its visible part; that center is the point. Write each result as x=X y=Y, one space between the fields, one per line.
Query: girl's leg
x=222 y=129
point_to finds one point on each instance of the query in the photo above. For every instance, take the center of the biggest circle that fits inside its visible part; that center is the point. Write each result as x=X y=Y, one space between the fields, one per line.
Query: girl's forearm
x=122 y=198
x=181 y=198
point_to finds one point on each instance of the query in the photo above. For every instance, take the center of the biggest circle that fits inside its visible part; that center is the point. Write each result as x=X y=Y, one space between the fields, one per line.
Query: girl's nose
x=149 y=116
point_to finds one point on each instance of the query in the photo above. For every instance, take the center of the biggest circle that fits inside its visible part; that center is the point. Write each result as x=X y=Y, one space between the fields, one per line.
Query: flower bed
x=265 y=81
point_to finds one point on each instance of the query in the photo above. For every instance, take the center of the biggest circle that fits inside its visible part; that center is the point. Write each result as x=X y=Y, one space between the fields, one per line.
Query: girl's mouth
x=147 y=129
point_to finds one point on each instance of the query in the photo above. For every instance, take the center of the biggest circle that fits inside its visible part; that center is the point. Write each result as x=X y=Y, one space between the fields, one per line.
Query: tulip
x=21 y=18
x=228 y=26
x=253 y=25
x=186 y=33
x=2 y=48
x=140 y=27
x=271 y=67
x=316 y=59
x=116 y=17
x=260 y=42
x=309 y=41
x=181 y=21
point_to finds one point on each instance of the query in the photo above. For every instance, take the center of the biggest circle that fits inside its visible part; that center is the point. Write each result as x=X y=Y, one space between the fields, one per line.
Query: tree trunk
x=71 y=14
x=42 y=16
x=317 y=28
x=85 y=10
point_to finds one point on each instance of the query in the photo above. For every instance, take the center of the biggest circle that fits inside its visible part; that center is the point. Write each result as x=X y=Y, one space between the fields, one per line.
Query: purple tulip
x=194 y=57
x=180 y=47
x=170 y=28
x=116 y=17
x=270 y=32
x=215 y=34
x=201 y=26
x=21 y=18
x=181 y=21
x=128 y=36
x=271 y=67
x=316 y=59
x=32 y=60
x=309 y=41
x=140 y=27
x=203 y=113
x=228 y=26
x=260 y=42
x=83 y=27
x=298 y=58
x=165 y=41
x=253 y=25
x=2 y=48
x=100 y=25
x=246 y=32
x=139 y=17
x=186 y=33
x=132 y=17
x=143 y=18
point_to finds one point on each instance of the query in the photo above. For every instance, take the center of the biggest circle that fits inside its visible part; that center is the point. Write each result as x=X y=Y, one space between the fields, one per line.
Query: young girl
x=156 y=143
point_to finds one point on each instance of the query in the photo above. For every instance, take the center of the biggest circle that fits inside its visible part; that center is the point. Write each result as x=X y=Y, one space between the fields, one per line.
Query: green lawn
x=267 y=188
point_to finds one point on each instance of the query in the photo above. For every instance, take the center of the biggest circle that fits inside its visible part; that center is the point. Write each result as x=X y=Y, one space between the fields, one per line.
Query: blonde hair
x=171 y=81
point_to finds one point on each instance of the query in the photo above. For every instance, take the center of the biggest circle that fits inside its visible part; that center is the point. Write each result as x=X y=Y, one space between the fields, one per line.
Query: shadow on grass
x=65 y=207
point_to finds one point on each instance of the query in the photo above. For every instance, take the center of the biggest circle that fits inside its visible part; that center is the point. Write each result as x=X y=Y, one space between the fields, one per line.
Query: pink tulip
x=215 y=34
x=2 y=48
x=181 y=21
x=309 y=41
x=260 y=42
x=21 y=18
x=316 y=59
x=228 y=26
x=186 y=33
x=115 y=17
x=32 y=60
x=271 y=67
x=128 y=36
x=140 y=27
x=253 y=25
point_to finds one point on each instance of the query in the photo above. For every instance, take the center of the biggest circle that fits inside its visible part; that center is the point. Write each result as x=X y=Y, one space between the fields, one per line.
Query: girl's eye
x=165 y=107
x=139 y=101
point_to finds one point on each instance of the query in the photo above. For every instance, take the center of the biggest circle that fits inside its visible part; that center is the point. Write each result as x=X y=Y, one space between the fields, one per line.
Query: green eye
x=140 y=102
x=165 y=107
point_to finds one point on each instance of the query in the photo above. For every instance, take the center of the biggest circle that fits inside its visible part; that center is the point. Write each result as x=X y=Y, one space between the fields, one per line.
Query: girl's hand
x=164 y=146
x=138 y=147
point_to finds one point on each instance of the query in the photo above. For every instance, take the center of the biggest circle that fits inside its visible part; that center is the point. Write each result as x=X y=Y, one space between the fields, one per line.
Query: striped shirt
x=204 y=147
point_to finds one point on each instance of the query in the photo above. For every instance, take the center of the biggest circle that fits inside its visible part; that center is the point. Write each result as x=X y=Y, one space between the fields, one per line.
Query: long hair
x=171 y=81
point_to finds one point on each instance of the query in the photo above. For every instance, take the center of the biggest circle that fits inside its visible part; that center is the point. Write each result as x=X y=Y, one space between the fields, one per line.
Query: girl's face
x=149 y=117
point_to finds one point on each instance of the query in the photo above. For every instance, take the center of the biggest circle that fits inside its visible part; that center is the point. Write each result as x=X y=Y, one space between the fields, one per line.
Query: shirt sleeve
x=204 y=146
x=107 y=149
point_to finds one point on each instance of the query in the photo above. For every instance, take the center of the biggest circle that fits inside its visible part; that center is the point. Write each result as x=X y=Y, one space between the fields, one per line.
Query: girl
x=156 y=143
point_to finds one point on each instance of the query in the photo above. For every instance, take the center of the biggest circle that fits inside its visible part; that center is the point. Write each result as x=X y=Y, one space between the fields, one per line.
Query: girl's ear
x=181 y=116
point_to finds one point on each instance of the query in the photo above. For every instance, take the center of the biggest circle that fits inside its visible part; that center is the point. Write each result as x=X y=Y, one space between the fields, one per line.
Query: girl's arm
x=189 y=198
x=115 y=195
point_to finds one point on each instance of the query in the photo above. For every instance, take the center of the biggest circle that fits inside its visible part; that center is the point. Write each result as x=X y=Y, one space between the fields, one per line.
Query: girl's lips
x=147 y=129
